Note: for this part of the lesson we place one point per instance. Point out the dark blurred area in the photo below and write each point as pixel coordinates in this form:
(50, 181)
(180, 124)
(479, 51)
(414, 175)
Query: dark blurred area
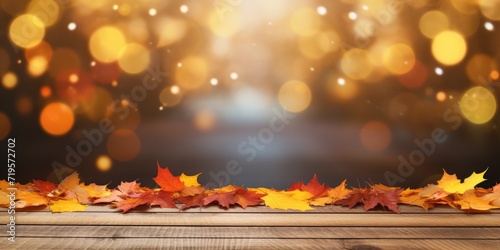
(255, 93)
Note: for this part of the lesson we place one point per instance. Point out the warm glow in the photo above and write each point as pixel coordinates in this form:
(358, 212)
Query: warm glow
(305, 22)
(133, 58)
(192, 74)
(123, 145)
(26, 31)
(357, 64)
(478, 105)
(48, 11)
(449, 47)
(433, 22)
(57, 118)
(295, 96)
(375, 136)
(106, 43)
(9, 80)
(399, 59)
(103, 163)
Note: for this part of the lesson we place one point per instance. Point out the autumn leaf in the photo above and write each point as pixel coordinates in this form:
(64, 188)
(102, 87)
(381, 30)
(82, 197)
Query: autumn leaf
(191, 201)
(313, 187)
(69, 182)
(285, 200)
(353, 198)
(436, 195)
(382, 195)
(190, 181)
(451, 184)
(334, 194)
(132, 202)
(469, 200)
(191, 191)
(246, 198)
(163, 199)
(411, 197)
(494, 196)
(72, 205)
(30, 199)
(44, 187)
(167, 181)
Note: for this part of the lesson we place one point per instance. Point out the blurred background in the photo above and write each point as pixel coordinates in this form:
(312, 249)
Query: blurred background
(253, 93)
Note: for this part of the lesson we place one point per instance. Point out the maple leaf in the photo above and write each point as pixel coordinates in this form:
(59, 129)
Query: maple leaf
(224, 196)
(96, 191)
(353, 198)
(167, 181)
(382, 195)
(334, 194)
(494, 196)
(412, 198)
(451, 184)
(313, 187)
(190, 181)
(191, 191)
(469, 200)
(436, 195)
(30, 199)
(246, 198)
(163, 199)
(132, 202)
(44, 187)
(4, 199)
(191, 201)
(79, 193)
(129, 187)
(285, 200)
(72, 205)
(69, 182)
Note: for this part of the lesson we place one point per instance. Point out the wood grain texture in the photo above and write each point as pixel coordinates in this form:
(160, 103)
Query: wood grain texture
(255, 219)
(404, 209)
(305, 232)
(213, 243)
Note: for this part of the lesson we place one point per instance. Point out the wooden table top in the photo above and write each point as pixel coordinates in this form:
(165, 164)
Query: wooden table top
(331, 227)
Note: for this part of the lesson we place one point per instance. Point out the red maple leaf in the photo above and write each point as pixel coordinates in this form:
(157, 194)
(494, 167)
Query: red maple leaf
(131, 203)
(163, 199)
(224, 199)
(313, 187)
(44, 187)
(167, 181)
(246, 198)
(354, 197)
(191, 201)
(384, 196)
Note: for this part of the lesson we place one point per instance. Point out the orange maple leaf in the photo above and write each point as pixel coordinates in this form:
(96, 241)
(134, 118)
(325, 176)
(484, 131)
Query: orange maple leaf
(167, 181)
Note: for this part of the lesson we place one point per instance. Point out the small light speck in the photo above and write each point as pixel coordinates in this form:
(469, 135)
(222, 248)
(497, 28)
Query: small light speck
(270, 23)
(115, 6)
(214, 81)
(311, 68)
(160, 108)
(152, 12)
(19, 61)
(352, 15)
(365, 7)
(341, 81)
(92, 63)
(438, 71)
(179, 65)
(234, 75)
(184, 8)
(489, 26)
(72, 26)
(321, 10)
(175, 90)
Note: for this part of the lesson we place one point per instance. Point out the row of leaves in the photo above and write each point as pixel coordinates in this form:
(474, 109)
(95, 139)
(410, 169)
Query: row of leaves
(185, 192)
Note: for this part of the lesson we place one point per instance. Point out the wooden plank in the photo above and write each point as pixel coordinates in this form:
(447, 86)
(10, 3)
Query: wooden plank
(270, 219)
(211, 243)
(256, 232)
(263, 209)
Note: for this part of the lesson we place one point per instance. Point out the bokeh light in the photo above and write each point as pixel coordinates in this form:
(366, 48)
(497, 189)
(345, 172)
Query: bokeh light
(168, 98)
(449, 47)
(26, 31)
(479, 68)
(123, 145)
(398, 59)
(432, 23)
(5, 126)
(416, 77)
(357, 64)
(478, 105)
(103, 163)
(96, 107)
(134, 58)
(295, 96)
(9, 80)
(48, 11)
(24, 105)
(305, 22)
(192, 74)
(57, 118)
(106, 43)
(490, 9)
(375, 136)
(45, 91)
(37, 66)
(204, 120)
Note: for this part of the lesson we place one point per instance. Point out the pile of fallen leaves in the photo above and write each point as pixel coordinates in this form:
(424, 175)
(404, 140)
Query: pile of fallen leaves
(185, 192)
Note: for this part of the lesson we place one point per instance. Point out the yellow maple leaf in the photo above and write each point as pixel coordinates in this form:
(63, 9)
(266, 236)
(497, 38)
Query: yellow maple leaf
(334, 194)
(69, 182)
(96, 191)
(285, 200)
(72, 205)
(451, 184)
(4, 199)
(190, 180)
(469, 200)
(412, 197)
